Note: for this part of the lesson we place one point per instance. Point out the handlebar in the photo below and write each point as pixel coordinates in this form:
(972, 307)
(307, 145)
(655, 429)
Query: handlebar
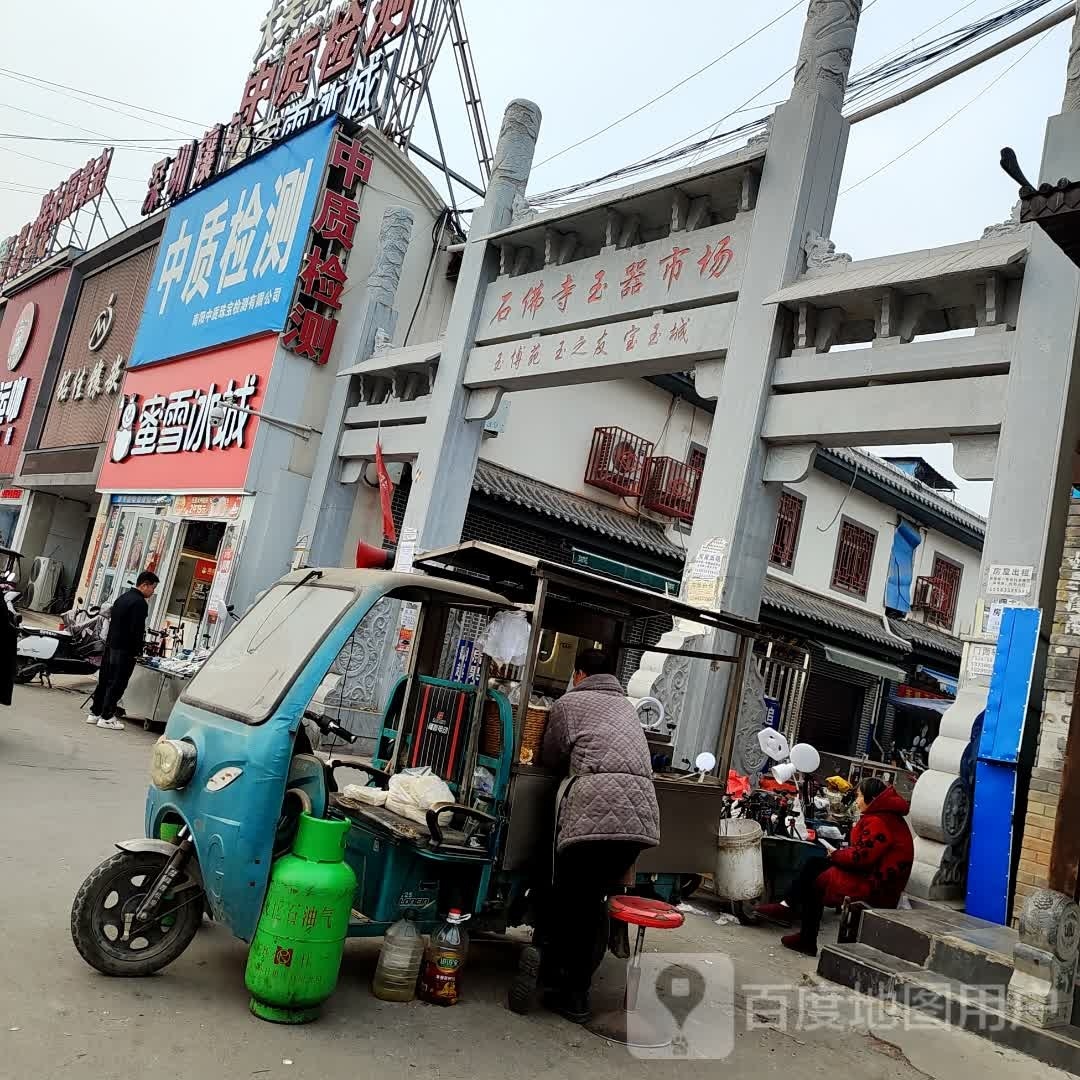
(380, 776)
(329, 727)
(446, 808)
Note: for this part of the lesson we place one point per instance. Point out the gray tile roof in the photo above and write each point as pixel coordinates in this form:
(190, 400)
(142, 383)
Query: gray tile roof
(898, 479)
(781, 596)
(928, 637)
(499, 483)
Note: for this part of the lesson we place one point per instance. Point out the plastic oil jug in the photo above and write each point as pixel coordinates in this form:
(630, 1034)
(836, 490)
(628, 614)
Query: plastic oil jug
(440, 976)
(399, 962)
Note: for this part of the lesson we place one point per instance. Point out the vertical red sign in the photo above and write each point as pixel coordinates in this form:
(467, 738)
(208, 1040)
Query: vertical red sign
(313, 319)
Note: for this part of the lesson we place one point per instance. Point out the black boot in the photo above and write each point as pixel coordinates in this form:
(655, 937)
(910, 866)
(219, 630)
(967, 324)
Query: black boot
(572, 1005)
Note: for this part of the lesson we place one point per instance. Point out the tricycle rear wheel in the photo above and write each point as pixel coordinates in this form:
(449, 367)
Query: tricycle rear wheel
(99, 927)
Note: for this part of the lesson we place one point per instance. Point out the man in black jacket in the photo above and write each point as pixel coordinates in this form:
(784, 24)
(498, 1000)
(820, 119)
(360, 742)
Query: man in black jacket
(127, 628)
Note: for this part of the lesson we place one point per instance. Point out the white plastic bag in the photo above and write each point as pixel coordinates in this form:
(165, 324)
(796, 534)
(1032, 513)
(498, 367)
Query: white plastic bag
(507, 639)
(413, 792)
(369, 795)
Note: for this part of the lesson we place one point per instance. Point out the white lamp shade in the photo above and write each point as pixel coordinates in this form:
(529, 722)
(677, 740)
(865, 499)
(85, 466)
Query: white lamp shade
(805, 758)
(783, 773)
(773, 744)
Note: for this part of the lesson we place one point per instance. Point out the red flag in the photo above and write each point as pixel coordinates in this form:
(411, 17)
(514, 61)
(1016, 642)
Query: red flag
(386, 496)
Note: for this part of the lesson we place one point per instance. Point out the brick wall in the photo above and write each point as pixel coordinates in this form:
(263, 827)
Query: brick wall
(1061, 672)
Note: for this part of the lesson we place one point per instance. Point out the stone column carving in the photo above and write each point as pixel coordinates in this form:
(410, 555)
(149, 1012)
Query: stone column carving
(666, 677)
(747, 757)
(827, 45)
(444, 470)
(358, 684)
(1044, 961)
(941, 806)
(329, 503)
(1072, 74)
(395, 229)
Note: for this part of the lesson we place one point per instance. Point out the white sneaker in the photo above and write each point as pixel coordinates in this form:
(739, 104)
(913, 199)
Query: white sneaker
(92, 719)
(112, 724)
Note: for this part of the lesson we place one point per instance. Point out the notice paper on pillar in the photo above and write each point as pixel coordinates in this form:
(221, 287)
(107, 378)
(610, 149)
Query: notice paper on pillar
(406, 551)
(317, 298)
(981, 661)
(1012, 581)
(993, 615)
(410, 613)
(705, 580)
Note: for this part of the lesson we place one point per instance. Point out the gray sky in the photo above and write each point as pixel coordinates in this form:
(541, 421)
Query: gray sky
(584, 64)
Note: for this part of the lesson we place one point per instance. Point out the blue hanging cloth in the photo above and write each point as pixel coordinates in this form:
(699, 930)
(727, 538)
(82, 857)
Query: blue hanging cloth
(901, 567)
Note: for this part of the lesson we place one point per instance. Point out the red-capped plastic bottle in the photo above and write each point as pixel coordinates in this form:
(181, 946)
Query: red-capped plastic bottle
(444, 959)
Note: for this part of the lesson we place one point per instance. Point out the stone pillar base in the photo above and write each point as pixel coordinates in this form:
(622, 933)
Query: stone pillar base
(1041, 989)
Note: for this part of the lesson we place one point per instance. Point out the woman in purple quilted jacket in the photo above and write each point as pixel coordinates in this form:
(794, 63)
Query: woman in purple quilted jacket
(607, 817)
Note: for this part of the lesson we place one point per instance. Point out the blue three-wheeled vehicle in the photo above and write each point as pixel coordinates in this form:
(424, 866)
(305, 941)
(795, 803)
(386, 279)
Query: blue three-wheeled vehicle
(253, 740)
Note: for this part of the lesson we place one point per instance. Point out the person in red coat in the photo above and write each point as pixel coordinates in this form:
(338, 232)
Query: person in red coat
(874, 869)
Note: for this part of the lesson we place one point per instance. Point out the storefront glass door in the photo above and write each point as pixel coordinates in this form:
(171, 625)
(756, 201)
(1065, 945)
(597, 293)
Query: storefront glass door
(134, 541)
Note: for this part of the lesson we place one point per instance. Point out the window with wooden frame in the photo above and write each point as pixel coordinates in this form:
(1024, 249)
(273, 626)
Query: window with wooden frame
(947, 575)
(789, 516)
(854, 559)
(695, 457)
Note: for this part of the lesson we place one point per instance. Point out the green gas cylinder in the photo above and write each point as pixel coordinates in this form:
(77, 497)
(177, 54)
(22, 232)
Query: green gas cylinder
(295, 955)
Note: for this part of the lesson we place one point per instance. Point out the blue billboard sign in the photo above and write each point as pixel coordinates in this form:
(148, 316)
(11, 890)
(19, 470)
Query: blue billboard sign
(229, 258)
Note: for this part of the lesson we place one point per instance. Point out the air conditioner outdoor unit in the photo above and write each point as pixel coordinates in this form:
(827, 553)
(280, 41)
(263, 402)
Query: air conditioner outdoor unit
(617, 461)
(44, 578)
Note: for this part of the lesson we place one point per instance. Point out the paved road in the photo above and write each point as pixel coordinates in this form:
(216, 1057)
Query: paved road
(67, 791)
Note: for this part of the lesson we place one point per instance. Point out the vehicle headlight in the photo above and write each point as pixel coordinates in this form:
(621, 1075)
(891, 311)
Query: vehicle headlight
(172, 764)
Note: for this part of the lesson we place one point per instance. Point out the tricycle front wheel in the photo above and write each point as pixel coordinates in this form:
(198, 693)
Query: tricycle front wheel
(102, 917)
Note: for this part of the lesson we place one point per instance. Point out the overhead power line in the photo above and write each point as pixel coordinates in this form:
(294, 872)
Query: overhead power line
(894, 70)
(51, 119)
(62, 165)
(949, 119)
(80, 92)
(1040, 26)
(671, 89)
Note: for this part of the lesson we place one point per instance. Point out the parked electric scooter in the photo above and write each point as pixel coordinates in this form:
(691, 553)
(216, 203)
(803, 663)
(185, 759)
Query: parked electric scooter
(75, 648)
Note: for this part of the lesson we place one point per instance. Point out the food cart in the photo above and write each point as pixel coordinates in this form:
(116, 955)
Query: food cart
(566, 600)
(154, 688)
(236, 769)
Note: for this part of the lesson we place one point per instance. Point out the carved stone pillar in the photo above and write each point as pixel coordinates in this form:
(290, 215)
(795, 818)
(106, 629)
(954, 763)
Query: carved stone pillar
(827, 45)
(329, 504)
(1044, 961)
(358, 684)
(667, 677)
(1072, 74)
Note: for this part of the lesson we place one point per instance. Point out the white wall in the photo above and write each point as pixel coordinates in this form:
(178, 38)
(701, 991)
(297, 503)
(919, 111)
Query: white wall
(55, 528)
(815, 553)
(549, 433)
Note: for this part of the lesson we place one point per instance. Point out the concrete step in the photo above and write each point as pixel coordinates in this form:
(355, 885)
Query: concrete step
(978, 1010)
(949, 943)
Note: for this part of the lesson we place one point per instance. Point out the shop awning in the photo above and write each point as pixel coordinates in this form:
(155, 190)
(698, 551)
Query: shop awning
(936, 705)
(948, 683)
(865, 664)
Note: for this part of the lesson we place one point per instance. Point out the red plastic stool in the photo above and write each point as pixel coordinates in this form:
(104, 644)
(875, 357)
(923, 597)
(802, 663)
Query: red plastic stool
(615, 1025)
